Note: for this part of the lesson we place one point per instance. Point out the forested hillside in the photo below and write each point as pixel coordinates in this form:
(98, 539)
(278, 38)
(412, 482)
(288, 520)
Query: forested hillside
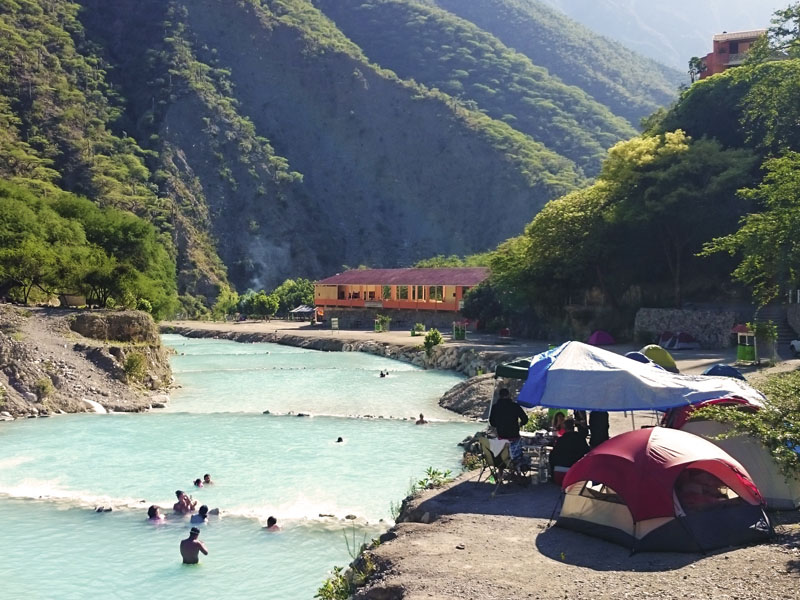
(442, 51)
(702, 207)
(612, 74)
(261, 141)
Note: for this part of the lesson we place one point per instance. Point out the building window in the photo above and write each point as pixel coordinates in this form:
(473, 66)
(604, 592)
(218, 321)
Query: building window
(436, 292)
(733, 47)
(402, 292)
(419, 292)
(387, 292)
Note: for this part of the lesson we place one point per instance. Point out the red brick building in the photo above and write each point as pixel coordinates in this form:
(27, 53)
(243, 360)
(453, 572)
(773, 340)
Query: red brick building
(729, 50)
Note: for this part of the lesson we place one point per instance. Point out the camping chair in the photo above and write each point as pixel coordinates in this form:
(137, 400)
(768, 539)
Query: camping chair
(495, 464)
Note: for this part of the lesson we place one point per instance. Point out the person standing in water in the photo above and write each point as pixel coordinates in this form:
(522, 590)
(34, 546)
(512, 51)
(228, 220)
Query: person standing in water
(421, 420)
(191, 547)
(207, 479)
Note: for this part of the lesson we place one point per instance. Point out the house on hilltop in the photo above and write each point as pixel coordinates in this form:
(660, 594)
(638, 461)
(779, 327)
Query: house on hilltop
(430, 296)
(729, 50)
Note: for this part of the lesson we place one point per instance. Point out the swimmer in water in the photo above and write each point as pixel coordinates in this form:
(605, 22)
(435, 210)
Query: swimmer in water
(421, 420)
(207, 479)
(154, 513)
(191, 547)
(185, 504)
(198, 483)
(272, 524)
(201, 516)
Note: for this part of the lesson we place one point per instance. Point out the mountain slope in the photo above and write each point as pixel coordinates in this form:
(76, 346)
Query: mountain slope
(442, 51)
(630, 85)
(263, 142)
(359, 167)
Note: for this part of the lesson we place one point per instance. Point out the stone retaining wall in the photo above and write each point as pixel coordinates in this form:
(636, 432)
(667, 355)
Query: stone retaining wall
(711, 328)
(364, 318)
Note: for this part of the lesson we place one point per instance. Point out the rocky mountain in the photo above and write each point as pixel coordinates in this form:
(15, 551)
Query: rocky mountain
(275, 138)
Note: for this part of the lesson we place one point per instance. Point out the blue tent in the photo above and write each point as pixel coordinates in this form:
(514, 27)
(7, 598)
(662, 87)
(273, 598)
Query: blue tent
(580, 376)
(721, 370)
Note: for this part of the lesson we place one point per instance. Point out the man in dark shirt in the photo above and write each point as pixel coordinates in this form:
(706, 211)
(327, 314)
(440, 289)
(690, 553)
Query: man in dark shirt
(569, 448)
(507, 417)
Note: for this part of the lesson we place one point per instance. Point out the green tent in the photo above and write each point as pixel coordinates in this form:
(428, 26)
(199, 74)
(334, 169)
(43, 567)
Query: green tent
(516, 369)
(661, 357)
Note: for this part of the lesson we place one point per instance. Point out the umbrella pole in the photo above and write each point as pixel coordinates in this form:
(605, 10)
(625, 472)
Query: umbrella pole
(633, 421)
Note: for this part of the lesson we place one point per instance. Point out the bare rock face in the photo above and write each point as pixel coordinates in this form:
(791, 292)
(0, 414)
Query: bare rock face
(127, 326)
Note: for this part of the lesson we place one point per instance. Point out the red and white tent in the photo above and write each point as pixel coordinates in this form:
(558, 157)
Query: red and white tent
(663, 489)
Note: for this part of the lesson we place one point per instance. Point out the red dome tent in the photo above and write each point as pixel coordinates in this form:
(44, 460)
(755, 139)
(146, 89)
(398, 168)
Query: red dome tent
(662, 489)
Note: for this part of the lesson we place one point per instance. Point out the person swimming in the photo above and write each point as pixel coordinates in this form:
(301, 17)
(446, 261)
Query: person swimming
(201, 516)
(198, 482)
(421, 420)
(207, 479)
(185, 504)
(154, 513)
(272, 524)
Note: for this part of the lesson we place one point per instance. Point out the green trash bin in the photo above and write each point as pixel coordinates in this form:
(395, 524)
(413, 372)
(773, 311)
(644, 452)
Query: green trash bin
(745, 353)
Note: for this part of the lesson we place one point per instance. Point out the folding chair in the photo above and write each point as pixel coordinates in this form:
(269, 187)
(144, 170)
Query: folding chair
(495, 463)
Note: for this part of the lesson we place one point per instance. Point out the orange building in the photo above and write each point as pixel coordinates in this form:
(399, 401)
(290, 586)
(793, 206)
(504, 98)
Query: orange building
(729, 50)
(416, 289)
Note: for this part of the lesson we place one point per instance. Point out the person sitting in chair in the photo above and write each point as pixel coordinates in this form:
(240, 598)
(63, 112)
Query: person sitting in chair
(507, 417)
(567, 450)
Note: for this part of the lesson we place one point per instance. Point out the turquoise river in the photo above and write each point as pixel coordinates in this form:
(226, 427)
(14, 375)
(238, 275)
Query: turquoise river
(54, 472)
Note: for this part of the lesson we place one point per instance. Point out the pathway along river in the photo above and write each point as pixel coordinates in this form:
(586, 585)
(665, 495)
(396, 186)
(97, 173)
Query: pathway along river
(53, 472)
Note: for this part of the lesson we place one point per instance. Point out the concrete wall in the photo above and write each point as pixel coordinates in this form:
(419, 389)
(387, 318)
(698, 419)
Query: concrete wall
(712, 328)
(364, 318)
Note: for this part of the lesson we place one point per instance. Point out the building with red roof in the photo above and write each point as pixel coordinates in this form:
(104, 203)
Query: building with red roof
(729, 50)
(403, 293)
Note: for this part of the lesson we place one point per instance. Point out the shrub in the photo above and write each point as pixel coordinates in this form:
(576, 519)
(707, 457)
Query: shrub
(44, 388)
(434, 478)
(336, 587)
(419, 327)
(135, 366)
(432, 338)
(145, 305)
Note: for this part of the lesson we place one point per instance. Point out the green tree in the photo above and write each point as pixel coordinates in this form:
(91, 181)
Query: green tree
(292, 293)
(767, 241)
(678, 193)
(226, 304)
(696, 68)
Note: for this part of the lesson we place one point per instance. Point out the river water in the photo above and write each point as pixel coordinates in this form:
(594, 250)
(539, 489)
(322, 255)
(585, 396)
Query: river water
(54, 472)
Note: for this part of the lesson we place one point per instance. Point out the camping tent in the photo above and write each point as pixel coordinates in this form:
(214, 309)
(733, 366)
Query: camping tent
(601, 338)
(721, 370)
(580, 376)
(660, 356)
(779, 492)
(678, 341)
(662, 489)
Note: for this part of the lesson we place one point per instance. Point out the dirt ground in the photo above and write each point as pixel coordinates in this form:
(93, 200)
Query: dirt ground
(479, 547)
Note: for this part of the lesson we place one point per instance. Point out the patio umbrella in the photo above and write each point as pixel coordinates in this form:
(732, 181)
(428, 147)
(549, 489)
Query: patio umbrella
(579, 376)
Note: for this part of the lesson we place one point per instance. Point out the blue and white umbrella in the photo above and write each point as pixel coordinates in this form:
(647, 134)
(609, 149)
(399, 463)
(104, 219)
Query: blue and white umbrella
(584, 377)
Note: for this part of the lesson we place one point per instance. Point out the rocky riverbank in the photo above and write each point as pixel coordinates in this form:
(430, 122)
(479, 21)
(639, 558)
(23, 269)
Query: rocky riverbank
(60, 361)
